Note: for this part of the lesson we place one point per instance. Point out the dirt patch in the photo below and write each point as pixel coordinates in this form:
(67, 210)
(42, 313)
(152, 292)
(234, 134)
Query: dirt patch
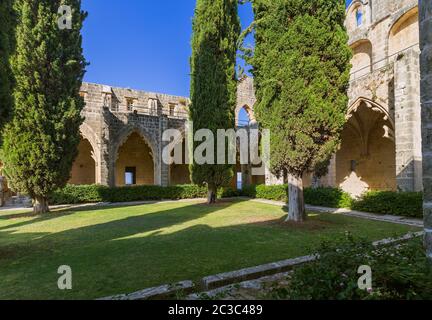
(309, 225)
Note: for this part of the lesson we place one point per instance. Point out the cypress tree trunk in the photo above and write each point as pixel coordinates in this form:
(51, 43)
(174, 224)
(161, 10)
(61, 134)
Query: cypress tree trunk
(40, 205)
(297, 212)
(212, 193)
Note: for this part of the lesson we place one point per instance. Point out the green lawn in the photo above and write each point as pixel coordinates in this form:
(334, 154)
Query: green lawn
(115, 250)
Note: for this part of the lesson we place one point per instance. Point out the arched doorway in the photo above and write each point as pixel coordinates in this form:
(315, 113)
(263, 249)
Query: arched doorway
(367, 158)
(84, 167)
(134, 164)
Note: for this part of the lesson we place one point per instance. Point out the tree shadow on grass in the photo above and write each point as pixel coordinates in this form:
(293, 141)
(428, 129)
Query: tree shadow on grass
(128, 226)
(136, 252)
(62, 212)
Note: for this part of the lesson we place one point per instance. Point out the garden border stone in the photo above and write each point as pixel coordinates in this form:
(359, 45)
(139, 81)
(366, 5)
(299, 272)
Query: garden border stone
(154, 293)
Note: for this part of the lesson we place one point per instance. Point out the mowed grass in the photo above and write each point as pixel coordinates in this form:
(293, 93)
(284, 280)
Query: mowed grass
(114, 250)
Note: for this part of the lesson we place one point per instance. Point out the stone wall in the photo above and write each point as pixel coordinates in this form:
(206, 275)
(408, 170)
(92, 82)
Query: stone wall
(113, 115)
(384, 82)
(388, 38)
(426, 100)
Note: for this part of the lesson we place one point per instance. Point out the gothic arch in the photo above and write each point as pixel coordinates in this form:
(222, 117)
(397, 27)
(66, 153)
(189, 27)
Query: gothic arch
(351, 13)
(87, 133)
(249, 111)
(372, 105)
(367, 157)
(147, 138)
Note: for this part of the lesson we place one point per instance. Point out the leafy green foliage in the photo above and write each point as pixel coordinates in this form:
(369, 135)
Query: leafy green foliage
(74, 194)
(408, 204)
(6, 46)
(276, 193)
(326, 197)
(301, 66)
(216, 28)
(40, 142)
(398, 272)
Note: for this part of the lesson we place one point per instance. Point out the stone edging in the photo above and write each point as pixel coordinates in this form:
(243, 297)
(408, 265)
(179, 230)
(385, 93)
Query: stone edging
(351, 213)
(161, 292)
(222, 280)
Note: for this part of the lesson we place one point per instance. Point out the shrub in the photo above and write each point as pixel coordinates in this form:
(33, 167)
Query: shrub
(277, 193)
(409, 204)
(328, 197)
(74, 194)
(398, 272)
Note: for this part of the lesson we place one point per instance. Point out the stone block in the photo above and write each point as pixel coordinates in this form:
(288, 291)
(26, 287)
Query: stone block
(157, 293)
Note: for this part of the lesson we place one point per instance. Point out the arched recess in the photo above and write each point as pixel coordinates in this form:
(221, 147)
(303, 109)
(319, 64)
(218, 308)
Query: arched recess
(362, 60)
(357, 15)
(367, 157)
(84, 167)
(404, 33)
(88, 133)
(136, 154)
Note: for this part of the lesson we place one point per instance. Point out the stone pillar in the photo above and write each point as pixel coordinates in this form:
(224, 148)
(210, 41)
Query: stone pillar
(161, 169)
(107, 158)
(407, 122)
(426, 100)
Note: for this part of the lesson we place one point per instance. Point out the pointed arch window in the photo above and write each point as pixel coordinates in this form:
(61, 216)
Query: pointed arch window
(359, 17)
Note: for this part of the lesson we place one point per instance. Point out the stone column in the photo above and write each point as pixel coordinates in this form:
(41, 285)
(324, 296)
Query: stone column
(107, 158)
(407, 122)
(426, 99)
(161, 169)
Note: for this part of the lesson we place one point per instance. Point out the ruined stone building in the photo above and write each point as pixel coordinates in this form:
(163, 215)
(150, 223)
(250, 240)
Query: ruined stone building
(381, 143)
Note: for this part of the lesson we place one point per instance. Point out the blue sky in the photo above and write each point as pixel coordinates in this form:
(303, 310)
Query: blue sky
(142, 44)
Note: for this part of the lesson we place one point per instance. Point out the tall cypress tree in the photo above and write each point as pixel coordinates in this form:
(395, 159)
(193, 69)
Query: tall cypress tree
(301, 67)
(6, 46)
(40, 142)
(216, 29)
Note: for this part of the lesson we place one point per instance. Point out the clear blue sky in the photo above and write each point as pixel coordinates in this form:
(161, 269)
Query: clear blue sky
(142, 44)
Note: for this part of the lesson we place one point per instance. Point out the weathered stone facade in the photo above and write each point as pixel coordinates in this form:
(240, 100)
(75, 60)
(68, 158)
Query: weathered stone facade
(113, 116)
(426, 100)
(381, 146)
